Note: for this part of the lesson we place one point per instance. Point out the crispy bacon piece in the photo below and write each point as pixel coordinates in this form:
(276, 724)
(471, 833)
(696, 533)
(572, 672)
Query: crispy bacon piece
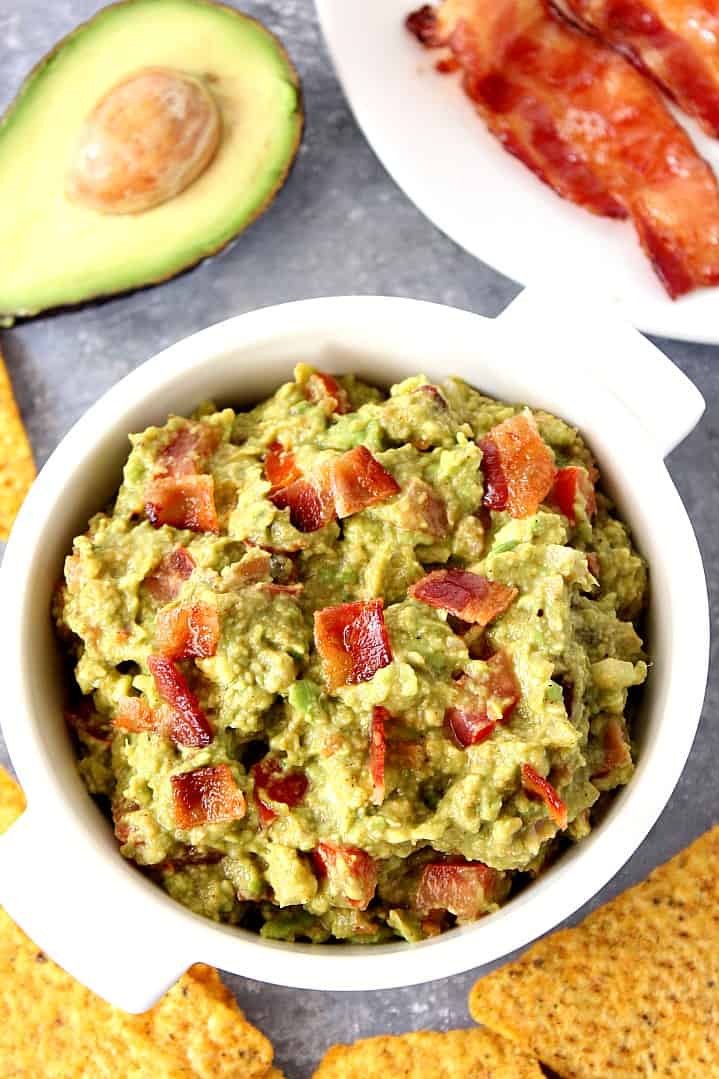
(274, 785)
(466, 595)
(616, 750)
(208, 795)
(590, 126)
(571, 485)
(324, 389)
(134, 714)
(423, 510)
(310, 503)
(83, 718)
(473, 724)
(183, 502)
(166, 579)
(540, 787)
(378, 751)
(187, 632)
(280, 466)
(186, 723)
(188, 451)
(671, 40)
(352, 642)
(526, 462)
(463, 888)
(347, 869)
(358, 480)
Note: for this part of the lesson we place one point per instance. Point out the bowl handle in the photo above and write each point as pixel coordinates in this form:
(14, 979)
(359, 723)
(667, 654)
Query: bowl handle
(119, 954)
(595, 339)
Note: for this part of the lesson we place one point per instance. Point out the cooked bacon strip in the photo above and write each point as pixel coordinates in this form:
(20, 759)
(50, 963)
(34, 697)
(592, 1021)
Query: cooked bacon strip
(183, 502)
(280, 466)
(463, 888)
(310, 503)
(466, 595)
(188, 451)
(616, 750)
(540, 787)
(324, 389)
(585, 121)
(352, 642)
(471, 722)
(271, 784)
(673, 41)
(519, 462)
(338, 865)
(423, 510)
(207, 796)
(134, 714)
(166, 579)
(186, 723)
(378, 751)
(358, 480)
(188, 631)
(571, 485)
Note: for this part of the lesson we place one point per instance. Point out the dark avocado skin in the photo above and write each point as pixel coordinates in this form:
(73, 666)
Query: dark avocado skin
(14, 109)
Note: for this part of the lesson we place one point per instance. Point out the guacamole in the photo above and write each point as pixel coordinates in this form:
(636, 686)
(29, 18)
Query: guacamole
(352, 665)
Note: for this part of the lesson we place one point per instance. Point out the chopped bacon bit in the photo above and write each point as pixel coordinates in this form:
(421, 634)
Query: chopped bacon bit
(183, 502)
(593, 564)
(187, 632)
(121, 808)
(467, 595)
(359, 480)
(280, 466)
(378, 752)
(134, 714)
(341, 866)
(616, 750)
(469, 728)
(166, 579)
(655, 37)
(423, 510)
(277, 589)
(572, 484)
(465, 889)
(533, 78)
(473, 724)
(324, 388)
(186, 724)
(423, 24)
(310, 504)
(352, 642)
(526, 462)
(496, 491)
(289, 788)
(188, 451)
(540, 787)
(207, 796)
(84, 719)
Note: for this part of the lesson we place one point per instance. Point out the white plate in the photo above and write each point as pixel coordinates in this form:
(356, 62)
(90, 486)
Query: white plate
(428, 136)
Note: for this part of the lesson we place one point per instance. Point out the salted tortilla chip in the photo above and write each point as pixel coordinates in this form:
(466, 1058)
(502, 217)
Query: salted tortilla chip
(456, 1054)
(50, 1025)
(631, 992)
(12, 801)
(17, 468)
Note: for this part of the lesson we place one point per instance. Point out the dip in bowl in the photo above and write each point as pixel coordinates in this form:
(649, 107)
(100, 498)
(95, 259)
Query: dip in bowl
(353, 665)
(101, 917)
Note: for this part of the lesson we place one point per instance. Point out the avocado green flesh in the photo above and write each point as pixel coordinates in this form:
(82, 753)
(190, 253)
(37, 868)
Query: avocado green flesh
(62, 253)
(264, 689)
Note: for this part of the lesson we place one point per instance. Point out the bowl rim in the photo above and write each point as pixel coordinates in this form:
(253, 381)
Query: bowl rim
(554, 896)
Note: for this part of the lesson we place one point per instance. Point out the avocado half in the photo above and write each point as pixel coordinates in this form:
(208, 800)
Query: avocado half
(56, 252)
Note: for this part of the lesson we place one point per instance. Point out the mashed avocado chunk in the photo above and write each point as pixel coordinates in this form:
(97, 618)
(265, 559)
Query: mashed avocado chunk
(350, 666)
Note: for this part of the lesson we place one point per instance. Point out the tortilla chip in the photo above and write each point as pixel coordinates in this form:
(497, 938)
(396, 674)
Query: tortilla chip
(50, 1025)
(12, 801)
(457, 1054)
(632, 991)
(17, 468)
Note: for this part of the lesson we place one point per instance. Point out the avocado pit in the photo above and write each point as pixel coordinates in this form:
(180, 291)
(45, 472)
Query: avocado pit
(144, 142)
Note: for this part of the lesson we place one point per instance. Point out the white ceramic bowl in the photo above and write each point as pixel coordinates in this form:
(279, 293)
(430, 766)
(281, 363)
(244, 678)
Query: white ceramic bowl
(61, 875)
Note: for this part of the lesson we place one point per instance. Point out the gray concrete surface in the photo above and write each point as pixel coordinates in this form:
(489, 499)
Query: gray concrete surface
(339, 226)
